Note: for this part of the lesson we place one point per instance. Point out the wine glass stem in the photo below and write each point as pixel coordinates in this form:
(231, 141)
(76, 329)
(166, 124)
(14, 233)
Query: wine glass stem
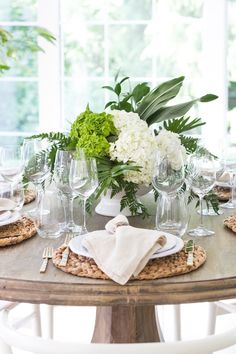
(71, 210)
(201, 215)
(232, 178)
(39, 197)
(84, 215)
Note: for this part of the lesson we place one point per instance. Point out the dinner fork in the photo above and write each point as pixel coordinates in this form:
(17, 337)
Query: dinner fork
(65, 253)
(47, 254)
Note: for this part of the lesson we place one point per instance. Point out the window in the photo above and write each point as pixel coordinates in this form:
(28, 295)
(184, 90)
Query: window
(149, 40)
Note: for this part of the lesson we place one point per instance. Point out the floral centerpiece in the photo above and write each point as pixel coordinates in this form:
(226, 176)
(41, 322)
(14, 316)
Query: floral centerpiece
(125, 139)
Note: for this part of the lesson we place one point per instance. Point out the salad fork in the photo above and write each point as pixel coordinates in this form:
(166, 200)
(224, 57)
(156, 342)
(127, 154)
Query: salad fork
(65, 253)
(47, 254)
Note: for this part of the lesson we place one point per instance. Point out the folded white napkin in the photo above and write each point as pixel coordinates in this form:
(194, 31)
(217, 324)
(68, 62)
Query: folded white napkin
(122, 250)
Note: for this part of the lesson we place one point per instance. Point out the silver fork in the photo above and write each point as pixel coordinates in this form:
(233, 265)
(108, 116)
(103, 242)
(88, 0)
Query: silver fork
(65, 253)
(47, 254)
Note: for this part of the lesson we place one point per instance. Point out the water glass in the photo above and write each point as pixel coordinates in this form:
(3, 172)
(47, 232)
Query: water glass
(51, 225)
(172, 214)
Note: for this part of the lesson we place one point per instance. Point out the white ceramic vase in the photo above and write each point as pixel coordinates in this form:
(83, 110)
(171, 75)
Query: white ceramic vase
(111, 206)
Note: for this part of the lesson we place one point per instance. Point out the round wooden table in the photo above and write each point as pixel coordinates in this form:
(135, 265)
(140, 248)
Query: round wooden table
(124, 313)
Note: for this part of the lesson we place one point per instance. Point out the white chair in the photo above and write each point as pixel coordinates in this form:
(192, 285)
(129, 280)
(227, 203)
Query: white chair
(33, 317)
(39, 345)
(218, 308)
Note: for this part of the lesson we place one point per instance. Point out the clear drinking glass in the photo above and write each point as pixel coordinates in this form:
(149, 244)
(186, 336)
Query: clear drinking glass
(83, 180)
(172, 214)
(61, 179)
(37, 169)
(11, 163)
(14, 192)
(230, 168)
(209, 211)
(202, 183)
(51, 225)
(168, 177)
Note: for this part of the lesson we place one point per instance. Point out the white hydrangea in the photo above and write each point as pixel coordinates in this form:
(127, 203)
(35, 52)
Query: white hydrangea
(124, 120)
(135, 143)
(169, 146)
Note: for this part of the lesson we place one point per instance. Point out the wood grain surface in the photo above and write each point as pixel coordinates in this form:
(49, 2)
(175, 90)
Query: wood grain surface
(20, 279)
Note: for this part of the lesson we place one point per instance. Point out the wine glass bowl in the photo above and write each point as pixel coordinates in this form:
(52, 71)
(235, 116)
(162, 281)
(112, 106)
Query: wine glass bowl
(37, 168)
(11, 163)
(166, 178)
(230, 168)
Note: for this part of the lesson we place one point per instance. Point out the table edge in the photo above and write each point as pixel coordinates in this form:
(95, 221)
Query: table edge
(137, 292)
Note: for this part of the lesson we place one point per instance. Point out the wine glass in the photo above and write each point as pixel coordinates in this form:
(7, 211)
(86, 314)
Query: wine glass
(37, 169)
(201, 184)
(11, 163)
(230, 167)
(83, 180)
(209, 210)
(61, 178)
(168, 177)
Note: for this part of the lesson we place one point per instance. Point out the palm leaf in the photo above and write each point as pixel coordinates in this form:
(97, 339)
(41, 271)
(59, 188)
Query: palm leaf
(177, 110)
(158, 97)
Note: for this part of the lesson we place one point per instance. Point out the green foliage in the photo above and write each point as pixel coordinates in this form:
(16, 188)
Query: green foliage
(11, 45)
(158, 97)
(111, 176)
(122, 102)
(189, 143)
(183, 124)
(151, 105)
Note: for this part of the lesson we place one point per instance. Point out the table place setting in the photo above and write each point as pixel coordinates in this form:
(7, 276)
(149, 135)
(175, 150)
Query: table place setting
(14, 228)
(122, 252)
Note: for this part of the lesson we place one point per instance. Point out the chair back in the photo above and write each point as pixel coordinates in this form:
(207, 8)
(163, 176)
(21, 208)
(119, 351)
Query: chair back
(39, 345)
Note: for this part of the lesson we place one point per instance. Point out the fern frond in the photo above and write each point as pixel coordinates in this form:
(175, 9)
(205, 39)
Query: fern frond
(183, 124)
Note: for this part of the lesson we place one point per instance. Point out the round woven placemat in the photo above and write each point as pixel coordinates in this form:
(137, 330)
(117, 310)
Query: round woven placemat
(17, 232)
(29, 196)
(222, 193)
(157, 268)
(230, 222)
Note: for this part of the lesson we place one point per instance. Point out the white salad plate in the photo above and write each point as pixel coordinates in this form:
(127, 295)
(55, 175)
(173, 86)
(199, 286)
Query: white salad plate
(173, 245)
(13, 217)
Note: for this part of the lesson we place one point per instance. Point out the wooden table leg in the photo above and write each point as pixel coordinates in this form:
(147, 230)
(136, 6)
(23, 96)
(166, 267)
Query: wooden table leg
(125, 324)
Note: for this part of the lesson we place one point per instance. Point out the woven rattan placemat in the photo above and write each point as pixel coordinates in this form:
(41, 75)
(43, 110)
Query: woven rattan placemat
(230, 222)
(222, 193)
(17, 232)
(29, 196)
(157, 268)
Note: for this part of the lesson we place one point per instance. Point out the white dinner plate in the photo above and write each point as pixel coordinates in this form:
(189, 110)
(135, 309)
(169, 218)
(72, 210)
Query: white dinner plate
(174, 244)
(15, 215)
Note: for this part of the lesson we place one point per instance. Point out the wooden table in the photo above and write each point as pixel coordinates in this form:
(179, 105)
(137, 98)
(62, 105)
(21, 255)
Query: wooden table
(124, 313)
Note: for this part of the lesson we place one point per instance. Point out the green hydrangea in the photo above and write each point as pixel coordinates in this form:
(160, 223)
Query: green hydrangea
(91, 131)
(94, 145)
